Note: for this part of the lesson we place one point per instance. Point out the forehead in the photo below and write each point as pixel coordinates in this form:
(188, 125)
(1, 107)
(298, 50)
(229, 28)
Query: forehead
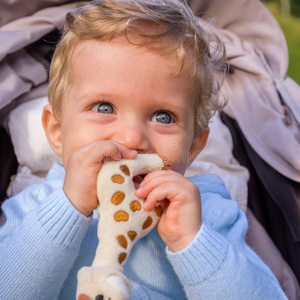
(117, 51)
(157, 49)
(119, 71)
(118, 57)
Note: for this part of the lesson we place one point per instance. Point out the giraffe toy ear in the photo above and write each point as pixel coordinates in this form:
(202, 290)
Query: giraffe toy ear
(97, 282)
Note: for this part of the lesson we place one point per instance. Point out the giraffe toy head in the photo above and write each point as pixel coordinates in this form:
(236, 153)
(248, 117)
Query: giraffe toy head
(122, 222)
(102, 283)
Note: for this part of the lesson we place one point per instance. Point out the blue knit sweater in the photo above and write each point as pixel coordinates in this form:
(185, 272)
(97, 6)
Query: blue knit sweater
(45, 241)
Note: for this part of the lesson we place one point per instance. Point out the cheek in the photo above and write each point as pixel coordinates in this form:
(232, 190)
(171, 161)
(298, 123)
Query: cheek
(183, 155)
(181, 161)
(74, 139)
(176, 153)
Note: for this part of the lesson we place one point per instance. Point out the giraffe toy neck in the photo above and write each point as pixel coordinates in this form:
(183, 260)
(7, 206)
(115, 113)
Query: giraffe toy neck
(122, 222)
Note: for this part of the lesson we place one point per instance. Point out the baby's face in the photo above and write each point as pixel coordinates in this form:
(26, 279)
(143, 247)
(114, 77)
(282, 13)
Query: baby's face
(126, 93)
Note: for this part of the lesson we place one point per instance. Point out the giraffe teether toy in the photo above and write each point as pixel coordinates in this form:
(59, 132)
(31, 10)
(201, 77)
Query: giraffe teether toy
(122, 222)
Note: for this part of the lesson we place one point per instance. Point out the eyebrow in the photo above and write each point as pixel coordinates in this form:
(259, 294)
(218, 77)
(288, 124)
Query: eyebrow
(94, 96)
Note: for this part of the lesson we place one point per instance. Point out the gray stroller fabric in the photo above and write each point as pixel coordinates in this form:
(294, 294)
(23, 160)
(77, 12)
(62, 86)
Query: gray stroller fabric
(261, 98)
(22, 69)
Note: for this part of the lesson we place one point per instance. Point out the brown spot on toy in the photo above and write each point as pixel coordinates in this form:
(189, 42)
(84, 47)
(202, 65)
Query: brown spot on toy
(158, 210)
(125, 170)
(165, 161)
(147, 223)
(135, 205)
(132, 235)
(122, 257)
(121, 216)
(117, 198)
(83, 297)
(117, 178)
(122, 241)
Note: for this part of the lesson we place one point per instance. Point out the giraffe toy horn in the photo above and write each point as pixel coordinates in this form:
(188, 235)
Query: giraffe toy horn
(122, 222)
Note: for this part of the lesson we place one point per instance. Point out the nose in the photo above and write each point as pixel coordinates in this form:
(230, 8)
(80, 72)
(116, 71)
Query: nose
(134, 136)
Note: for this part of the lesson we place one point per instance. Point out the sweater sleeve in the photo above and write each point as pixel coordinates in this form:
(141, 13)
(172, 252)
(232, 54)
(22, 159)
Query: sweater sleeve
(219, 264)
(39, 243)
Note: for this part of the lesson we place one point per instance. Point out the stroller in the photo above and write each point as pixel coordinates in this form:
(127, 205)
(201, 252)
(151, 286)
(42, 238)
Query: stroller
(258, 130)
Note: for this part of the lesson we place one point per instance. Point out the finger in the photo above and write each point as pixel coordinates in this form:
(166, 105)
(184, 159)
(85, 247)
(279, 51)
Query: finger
(109, 149)
(156, 178)
(158, 173)
(164, 191)
(162, 174)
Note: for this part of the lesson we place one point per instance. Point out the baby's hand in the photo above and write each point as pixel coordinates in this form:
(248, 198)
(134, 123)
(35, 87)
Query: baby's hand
(181, 219)
(82, 169)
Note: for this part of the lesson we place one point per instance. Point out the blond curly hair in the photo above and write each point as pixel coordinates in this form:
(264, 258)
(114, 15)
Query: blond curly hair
(170, 22)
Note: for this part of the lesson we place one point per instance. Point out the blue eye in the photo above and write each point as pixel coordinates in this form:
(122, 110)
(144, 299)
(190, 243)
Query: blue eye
(103, 108)
(162, 117)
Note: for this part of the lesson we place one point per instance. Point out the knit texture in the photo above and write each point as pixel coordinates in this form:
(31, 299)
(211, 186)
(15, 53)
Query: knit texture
(45, 241)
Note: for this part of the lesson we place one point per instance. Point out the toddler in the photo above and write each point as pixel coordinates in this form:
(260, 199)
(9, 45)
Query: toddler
(132, 77)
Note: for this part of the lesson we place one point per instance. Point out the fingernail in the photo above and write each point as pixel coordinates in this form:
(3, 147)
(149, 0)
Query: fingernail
(139, 188)
(131, 152)
(146, 205)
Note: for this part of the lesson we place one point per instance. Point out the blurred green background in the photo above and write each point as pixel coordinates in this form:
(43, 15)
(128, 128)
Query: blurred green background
(287, 13)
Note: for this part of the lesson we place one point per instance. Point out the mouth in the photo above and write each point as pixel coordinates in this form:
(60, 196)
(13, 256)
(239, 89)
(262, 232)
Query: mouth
(138, 179)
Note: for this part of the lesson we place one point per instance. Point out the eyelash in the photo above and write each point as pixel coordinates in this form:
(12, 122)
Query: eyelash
(103, 102)
(173, 116)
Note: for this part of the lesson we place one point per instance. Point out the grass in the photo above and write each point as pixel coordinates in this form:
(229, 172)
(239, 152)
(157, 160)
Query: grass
(291, 29)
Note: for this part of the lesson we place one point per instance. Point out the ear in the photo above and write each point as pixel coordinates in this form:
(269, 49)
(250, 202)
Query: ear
(198, 143)
(52, 129)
